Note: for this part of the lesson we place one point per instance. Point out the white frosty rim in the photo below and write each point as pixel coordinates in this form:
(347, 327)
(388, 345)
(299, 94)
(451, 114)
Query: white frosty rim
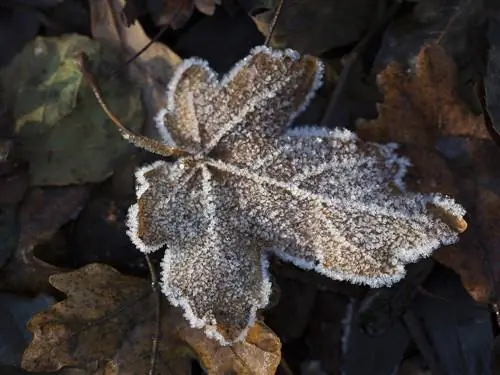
(210, 328)
(226, 79)
(401, 257)
(142, 185)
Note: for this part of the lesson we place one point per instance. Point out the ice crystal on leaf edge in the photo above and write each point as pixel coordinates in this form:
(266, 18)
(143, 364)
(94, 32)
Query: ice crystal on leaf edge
(259, 192)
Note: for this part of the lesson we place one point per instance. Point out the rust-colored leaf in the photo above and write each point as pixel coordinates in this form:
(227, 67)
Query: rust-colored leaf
(451, 151)
(106, 324)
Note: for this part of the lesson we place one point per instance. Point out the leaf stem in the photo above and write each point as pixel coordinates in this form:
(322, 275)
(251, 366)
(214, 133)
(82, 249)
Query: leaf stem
(145, 143)
(274, 22)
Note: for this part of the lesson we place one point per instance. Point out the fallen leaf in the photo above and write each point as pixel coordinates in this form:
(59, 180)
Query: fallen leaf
(41, 214)
(173, 14)
(451, 151)
(151, 70)
(108, 319)
(15, 311)
(314, 26)
(245, 188)
(63, 133)
(455, 22)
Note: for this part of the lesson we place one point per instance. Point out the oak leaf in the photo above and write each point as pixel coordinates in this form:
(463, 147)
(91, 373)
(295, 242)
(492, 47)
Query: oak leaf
(106, 324)
(451, 151)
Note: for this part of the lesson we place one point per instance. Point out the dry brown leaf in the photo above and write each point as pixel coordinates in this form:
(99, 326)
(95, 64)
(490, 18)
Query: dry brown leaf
(426, 100)
(41, 214)
(106, 324)
(451, 151)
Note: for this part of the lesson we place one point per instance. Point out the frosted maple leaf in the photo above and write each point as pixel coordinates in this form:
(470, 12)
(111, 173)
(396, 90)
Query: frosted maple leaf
(246, 187)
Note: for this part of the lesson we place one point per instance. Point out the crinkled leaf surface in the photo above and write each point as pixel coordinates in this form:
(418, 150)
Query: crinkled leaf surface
(451, 151)
(321, 199)
(108, 319)
(64, 134)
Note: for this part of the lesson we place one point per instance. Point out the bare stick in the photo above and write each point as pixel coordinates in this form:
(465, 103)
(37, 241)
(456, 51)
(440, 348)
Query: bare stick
(155, 39)
(148, 144)
(156, 334)
(274, 22)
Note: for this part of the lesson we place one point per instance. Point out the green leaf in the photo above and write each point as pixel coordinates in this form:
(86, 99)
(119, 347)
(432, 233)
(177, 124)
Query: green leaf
(65, 136)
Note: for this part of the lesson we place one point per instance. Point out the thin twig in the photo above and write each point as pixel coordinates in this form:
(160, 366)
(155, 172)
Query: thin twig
(351, 58)
(156, 334)
(155, 39)
(148, 144)
(274, 22)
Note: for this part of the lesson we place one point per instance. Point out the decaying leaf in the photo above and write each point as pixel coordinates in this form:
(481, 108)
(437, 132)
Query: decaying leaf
(173, 14)
(63, 133)
(321, 199)
(108, 319)
(41, 214)
(451, 151)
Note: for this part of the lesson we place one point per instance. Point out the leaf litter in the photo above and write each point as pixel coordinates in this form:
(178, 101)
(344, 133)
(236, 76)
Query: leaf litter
(441, 131)
(107, 320)
(420, 109)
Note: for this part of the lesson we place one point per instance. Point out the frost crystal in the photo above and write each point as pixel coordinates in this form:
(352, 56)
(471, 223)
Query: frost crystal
(323, 200)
